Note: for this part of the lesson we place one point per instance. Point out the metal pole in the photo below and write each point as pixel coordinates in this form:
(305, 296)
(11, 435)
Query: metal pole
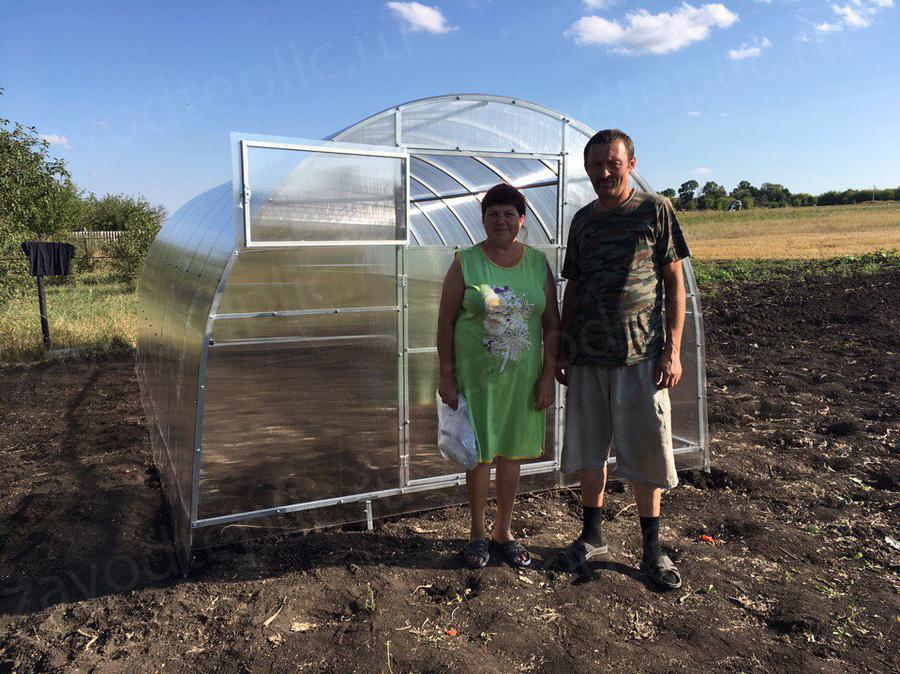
(42, 302)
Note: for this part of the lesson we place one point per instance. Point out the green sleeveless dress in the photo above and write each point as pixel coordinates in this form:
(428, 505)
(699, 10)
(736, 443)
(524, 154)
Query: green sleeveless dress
(498, 352)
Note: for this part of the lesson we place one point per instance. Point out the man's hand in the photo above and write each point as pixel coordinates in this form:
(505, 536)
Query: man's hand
(544, 392)
(668, 369)
(448, 391)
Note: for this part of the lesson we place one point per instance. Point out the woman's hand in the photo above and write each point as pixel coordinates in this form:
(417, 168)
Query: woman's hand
(448, 391)
(544, 392)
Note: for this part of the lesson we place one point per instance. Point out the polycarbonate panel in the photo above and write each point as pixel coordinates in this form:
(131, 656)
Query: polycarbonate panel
(474, 173)
(424, 458)
(300, 421)
(684, 397)
(448, 223)
(179, 279)
(299, 196)
(436, 180)
(521, 172)
(311, 278)
(425, 271)
(361, 325)
(377, 130)
(578, 192)
(468, 209)
(423, 229)
(480, 125)
(418, 191)
(542, 214)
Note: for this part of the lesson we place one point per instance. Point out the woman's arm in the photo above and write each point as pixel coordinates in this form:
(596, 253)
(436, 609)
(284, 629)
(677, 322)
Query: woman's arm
(545, 390)
(451, 302)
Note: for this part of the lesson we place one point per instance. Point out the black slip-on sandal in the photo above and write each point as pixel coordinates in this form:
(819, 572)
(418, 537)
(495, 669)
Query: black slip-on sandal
(512, 550)
(663, 572)
(578, 553)
(480, 550)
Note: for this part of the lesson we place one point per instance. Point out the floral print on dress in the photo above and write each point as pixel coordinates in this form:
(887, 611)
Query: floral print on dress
(506, 314)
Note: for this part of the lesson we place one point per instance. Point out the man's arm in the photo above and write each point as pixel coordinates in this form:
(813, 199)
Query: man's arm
(668, 365)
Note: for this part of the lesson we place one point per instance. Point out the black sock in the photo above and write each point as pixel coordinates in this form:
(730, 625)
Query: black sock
(650, 534)
(592, 532)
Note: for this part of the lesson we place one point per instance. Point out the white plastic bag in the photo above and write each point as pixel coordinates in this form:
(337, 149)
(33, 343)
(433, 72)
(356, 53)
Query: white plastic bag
(456, 437)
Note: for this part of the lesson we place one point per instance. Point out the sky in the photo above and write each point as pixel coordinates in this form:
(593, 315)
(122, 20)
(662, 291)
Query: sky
(140, 97)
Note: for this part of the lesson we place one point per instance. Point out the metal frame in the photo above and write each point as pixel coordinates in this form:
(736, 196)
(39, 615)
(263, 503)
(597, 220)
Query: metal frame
(246, 142)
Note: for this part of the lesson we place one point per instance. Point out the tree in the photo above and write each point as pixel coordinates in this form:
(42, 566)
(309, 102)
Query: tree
(686, 194)
(669, 192)
(776, 196)
(713, 190)
(139, 223)
(38, 199)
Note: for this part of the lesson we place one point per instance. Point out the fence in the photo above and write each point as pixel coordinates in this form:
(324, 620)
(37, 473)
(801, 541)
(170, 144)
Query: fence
(89, 242)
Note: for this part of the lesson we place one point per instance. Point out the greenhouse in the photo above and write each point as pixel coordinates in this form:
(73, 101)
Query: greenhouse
(286, 338)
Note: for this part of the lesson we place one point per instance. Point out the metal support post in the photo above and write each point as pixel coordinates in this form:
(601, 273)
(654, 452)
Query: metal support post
(42, 303)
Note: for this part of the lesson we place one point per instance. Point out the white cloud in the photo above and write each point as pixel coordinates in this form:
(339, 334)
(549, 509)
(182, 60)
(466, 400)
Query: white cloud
(702, 171)
(857, 14)
(723, 114)
(596, 4)
(694, 113)
(851, 17)
(827, 27)
(746, 51)
(645, 33)
(53, 139)
(416, 16)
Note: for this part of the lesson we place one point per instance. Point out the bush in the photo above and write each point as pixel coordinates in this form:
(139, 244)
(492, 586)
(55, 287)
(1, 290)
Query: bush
(139, 223)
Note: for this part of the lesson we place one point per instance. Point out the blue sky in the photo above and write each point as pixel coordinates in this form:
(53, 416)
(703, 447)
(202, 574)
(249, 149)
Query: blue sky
(140, 97)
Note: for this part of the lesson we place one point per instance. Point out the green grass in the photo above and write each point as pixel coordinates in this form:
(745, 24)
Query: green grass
(716, 272)
(88, 312)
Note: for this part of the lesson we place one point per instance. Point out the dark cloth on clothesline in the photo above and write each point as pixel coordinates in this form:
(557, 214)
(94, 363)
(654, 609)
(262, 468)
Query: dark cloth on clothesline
(47, 258)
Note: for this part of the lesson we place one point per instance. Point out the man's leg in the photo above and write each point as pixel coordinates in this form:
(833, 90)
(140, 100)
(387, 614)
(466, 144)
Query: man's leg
(645, 456)
(648, 499)
(593, 486)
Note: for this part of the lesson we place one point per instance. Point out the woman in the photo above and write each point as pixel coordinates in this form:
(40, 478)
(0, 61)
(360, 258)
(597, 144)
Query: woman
(497, 307)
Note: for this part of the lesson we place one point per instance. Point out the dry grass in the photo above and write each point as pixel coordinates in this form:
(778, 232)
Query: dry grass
(793, 233)
(88, 312)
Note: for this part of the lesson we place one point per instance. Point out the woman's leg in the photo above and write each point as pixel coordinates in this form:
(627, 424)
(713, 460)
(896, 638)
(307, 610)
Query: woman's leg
(478, 481)
(507, 484)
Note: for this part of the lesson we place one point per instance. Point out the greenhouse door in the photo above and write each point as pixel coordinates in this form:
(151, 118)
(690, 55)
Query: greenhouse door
(310, 339)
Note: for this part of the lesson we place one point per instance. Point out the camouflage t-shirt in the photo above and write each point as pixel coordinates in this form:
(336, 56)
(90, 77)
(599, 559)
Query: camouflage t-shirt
(616, 257)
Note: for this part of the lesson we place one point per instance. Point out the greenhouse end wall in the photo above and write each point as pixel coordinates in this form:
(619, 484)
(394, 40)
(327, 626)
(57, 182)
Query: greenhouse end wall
(287, 355)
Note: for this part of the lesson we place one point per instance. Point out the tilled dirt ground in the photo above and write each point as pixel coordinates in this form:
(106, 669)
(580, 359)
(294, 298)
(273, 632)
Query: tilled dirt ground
(801, 509)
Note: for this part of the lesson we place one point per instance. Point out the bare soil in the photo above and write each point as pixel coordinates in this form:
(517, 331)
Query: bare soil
(800, 508)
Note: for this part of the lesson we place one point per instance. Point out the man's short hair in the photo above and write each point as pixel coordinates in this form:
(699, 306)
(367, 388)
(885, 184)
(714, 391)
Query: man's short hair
(608, 136)
(503, 195)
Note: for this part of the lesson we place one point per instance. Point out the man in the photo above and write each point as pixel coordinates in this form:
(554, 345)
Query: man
(617, 359)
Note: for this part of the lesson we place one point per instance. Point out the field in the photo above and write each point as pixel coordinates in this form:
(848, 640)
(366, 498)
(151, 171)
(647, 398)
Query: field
(801, 508)
(784, 233)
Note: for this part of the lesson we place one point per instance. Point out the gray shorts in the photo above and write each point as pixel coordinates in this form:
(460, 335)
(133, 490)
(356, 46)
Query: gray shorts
(619, 407)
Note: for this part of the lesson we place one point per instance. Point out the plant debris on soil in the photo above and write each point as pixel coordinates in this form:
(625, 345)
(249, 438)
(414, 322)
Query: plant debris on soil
(788, 547)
